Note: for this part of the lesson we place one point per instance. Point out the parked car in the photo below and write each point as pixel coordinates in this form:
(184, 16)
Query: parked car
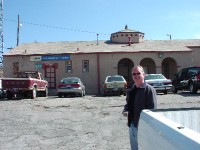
(25, 84)
(115, 84)
(159, 82)
(2, 92)
(188, 79)
(71, 86)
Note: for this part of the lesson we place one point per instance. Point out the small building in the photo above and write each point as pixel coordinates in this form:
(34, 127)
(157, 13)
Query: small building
(92, 61)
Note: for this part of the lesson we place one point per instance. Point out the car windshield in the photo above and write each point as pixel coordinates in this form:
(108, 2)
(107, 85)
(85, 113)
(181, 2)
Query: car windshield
(112, 79)
(70, 80)
(154, 76)
(27, 74)
(194, 70)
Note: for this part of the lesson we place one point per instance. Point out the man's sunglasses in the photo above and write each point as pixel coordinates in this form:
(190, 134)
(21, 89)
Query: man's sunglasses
(136, 73)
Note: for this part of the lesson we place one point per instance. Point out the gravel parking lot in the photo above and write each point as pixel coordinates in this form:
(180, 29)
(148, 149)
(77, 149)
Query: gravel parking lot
(88, 123)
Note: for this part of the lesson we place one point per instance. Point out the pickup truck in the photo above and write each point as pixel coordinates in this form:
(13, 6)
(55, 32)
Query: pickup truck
(25, 84)
(169, 129)
(187, 78)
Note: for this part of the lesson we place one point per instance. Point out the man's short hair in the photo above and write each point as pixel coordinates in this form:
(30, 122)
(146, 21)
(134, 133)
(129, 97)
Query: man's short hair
(138, 66)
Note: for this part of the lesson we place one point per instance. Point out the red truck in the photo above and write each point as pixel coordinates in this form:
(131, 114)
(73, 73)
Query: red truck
(25, 84)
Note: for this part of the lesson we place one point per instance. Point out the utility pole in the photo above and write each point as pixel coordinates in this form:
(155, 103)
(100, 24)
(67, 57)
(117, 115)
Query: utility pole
(18, 26)
(1, 34)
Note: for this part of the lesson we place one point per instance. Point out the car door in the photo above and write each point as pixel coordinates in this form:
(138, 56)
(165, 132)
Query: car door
(184, 79)
(177, 79)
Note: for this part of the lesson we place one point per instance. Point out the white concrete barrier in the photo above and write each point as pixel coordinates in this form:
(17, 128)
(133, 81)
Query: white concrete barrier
(157, 132)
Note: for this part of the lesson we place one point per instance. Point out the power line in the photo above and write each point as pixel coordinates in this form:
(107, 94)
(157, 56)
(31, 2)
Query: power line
(55, 27)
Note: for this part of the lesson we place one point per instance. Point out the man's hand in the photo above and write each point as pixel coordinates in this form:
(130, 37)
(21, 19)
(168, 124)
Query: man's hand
(125, 113)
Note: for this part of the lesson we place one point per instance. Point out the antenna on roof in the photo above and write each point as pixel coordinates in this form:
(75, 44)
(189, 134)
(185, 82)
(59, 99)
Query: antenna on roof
(170, 37)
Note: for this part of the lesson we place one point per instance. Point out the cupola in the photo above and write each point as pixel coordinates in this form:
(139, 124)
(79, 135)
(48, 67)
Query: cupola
(127, 36)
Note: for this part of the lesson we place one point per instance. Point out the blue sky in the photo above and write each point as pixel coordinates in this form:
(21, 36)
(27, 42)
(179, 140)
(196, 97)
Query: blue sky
(81, 20)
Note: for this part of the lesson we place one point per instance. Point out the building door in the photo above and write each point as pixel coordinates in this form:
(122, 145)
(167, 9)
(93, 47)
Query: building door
(149, 65)
(165, 69)
(169, 68)
(50, 75)
(124, 69)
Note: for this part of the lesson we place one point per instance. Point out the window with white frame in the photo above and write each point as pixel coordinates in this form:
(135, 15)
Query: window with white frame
(68, 66)
(85, 65)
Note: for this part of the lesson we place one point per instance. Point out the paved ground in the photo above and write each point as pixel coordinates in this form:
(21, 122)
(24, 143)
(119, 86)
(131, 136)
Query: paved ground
(88, 123)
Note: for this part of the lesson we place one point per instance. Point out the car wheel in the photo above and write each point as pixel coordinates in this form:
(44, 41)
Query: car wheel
(34, 93)
(9, 94)
(59, 95)
(174, 90)
(82, 93)
(45, 93)
(192, 88)
(165, 92)
(104, 93)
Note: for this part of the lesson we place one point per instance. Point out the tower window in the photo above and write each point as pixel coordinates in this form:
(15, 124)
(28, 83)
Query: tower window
(69, 66)
(85, 65)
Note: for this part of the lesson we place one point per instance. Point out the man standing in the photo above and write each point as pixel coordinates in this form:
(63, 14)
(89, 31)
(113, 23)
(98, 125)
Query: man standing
(140, 96)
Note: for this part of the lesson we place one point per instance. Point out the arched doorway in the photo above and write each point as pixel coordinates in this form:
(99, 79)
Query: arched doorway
(124, 69)
(149, 65)
(169, 67)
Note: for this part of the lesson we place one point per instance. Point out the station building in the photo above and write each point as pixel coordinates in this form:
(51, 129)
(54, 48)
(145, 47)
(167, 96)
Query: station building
(92, 61)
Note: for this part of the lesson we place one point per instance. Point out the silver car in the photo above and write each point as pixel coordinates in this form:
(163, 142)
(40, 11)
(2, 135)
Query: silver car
(71, 86)
(114, 85)
(159, 82)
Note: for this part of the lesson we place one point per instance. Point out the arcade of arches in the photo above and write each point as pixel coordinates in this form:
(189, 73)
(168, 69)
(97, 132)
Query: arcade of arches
(168, 68)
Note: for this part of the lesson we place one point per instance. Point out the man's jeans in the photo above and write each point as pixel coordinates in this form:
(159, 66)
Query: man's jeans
(133, 137)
